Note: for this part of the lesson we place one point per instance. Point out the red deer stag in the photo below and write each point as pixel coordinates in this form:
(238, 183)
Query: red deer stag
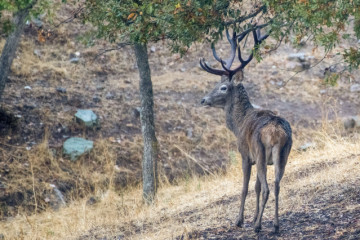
(262, 137)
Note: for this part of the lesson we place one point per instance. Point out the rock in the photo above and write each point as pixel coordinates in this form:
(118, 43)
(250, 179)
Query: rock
(279, 83)
(153, 49)
(306, 146)
(74, 60)
(77, 54)
(100, 87)
(322, 91)
(355, 88)
(189, 132)
(27, 88)
(87, 117)
(109, 95)
(294, 66)
(91, 201)
(37, 22)
(256, 106)
(96, 99)
(136, 112)
(296, 56)
(61, 89)
(349, 123)
(37, 52)
(75, 147)
(182, 69)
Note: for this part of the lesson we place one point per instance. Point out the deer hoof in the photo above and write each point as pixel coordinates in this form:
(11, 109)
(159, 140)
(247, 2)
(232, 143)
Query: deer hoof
(239, 222)
(276, 228)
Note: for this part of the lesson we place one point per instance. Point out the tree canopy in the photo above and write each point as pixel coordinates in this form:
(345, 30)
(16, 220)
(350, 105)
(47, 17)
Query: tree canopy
(183, 22)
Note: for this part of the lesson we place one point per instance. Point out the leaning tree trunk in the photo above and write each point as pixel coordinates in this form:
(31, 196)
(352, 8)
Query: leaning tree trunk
(12, 42)
(150, 155)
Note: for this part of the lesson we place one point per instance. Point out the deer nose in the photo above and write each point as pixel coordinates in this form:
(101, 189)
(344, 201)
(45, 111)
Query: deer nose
(203, 101)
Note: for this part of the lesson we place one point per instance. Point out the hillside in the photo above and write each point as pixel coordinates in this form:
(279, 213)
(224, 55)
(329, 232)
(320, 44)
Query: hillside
(199, 165)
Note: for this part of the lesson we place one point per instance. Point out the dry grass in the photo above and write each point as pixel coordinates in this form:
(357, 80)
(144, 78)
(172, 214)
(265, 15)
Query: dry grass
(326, 169)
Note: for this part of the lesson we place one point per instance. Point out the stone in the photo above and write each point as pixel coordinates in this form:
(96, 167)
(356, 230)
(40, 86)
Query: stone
(96, 99)
(61, 89)
(37, 52)
(294, 66)
(77, 54)
(75, 147)
(349, 123)
(296, 56)
(322, 91)
(87, 117)
(74, 60)
(37, 22)
(355, 88)
(136, 112)
(109, 95)
(27, 88)
(189, 132)
(306, 146)
(153, 49)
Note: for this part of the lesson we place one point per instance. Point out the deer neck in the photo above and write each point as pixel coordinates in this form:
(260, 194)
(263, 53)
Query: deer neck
(236, 108)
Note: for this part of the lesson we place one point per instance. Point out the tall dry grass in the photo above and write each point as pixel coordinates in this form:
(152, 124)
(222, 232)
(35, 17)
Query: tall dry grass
(327, 168)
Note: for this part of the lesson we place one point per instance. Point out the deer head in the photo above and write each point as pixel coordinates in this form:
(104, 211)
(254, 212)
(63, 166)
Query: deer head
(229, 77)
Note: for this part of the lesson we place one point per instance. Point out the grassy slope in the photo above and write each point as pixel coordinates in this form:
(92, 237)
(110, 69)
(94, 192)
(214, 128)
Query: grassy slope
(207, 206)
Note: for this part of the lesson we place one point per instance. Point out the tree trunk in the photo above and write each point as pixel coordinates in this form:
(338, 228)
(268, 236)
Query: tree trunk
(12, 42)
(150, 155)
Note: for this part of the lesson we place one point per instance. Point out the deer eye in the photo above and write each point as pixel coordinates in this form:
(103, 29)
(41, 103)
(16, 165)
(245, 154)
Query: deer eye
(223, 88)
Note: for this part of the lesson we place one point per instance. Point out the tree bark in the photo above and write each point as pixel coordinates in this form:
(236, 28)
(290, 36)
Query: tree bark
(12, 42)
(150, 155)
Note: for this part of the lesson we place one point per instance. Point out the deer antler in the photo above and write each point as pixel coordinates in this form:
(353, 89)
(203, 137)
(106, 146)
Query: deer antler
(226, 65)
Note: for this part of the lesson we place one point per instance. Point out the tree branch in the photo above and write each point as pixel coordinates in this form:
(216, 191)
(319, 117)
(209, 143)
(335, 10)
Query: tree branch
(242, 19)
(119, 46)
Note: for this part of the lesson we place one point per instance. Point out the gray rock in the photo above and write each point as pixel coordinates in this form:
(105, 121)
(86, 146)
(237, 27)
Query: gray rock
(109, 95)
(37, 22)
(322, 91)
(74, 60)
(136, 112)
(87, 117)
(182, 69)
(355, 88)
(96, 99)
(306, 146)
(75, 147)
(92, 201)
(294, 66)
(153, 49)
(349, 123)
(100, 87)
(61, 89)
(189, 132)
(296, 56)
(27, 88)
(37, 52)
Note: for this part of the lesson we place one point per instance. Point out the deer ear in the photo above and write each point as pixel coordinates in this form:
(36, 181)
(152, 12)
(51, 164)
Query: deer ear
(225, 78)
(238, 77)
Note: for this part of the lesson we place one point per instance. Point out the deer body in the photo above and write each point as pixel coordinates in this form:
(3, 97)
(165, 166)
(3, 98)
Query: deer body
(263, 138)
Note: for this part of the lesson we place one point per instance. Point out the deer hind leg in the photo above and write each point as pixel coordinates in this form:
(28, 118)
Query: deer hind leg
(280, 162)
(246, 167)
(257, 190)
(261, 174)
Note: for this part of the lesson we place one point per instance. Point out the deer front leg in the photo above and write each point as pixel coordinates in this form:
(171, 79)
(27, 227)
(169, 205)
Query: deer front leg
(246, 167)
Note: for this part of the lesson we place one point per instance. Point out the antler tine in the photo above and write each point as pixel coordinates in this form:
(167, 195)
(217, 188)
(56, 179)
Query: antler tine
(257, 41)
(206, 67)
(233, 43)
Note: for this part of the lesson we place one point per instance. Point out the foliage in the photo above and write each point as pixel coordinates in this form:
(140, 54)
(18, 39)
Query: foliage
(183, 22)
